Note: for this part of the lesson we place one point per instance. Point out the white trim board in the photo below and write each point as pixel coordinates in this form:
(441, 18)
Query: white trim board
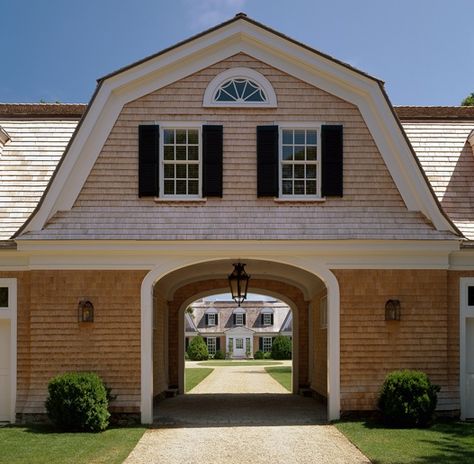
(10, 314)
(217, 45)
(465, 312)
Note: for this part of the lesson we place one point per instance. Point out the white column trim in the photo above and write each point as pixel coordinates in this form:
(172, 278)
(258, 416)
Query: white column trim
(11, 315)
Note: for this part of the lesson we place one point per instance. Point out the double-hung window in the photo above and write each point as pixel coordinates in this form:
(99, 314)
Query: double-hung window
(180, 156)
(267, 344)
(300, 173)
(239, 319)
(211, 319)
(211, 345)
(267, 319)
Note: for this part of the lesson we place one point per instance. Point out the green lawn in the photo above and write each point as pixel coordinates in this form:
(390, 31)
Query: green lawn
(41, 444)
(443, 443)
(195, 375)
(228, 362)
(282, 375)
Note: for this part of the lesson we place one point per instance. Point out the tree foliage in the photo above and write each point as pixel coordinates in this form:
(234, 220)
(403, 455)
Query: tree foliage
(281, 347)
(469, 100)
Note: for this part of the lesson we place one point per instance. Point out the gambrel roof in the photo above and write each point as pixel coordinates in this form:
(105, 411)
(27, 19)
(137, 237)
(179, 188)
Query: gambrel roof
(241, 35)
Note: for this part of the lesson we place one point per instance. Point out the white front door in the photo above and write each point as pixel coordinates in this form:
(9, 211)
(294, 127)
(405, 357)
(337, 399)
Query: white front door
(469, 376)
(5, 370)
(239, 347)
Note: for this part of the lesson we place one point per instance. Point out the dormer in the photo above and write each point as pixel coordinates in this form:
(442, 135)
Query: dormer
(4, 139)
(266, 317)
(239, 317)
(211, 317)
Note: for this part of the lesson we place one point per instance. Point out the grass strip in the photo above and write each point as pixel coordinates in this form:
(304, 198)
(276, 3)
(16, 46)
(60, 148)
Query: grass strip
(443, 443)
(239, 363)
(41, 444)
(282, 374)
(195, 375)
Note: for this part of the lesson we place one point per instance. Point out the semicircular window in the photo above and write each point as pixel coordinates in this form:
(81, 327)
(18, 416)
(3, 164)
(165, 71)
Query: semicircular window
(240, 90)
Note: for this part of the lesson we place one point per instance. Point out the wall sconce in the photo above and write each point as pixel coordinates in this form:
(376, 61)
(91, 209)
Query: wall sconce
(392, 310)
(86, 311)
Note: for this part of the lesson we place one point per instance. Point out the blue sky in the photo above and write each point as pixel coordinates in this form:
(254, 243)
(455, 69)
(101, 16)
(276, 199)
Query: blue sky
(54, 50)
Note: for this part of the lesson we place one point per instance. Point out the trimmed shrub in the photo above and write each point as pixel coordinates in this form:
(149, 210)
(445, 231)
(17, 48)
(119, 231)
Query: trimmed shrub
(408, 399)
(219, 355)
(267, 355)
(197, 349)
(258, 355)
(281, 347)
(78, 401)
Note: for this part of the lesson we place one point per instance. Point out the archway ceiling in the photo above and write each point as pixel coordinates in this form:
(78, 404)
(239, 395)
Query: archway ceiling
(308, 283)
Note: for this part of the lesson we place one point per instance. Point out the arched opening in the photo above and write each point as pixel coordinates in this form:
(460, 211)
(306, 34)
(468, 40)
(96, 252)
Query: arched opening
(169, 289)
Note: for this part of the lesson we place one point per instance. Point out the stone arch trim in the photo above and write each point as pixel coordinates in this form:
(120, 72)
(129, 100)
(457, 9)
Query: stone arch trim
(170, 264)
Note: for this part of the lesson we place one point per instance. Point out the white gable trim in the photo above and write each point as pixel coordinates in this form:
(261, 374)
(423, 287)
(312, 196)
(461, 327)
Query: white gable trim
(217, 45)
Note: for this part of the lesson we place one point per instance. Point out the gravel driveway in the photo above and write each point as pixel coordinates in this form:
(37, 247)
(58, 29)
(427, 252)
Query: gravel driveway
(238, 427)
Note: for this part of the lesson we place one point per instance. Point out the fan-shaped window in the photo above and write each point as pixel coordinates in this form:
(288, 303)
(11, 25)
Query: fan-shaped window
(240, 87)
(240, 90)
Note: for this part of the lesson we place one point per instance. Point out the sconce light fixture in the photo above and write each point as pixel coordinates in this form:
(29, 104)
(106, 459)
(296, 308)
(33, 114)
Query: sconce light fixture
(86, 311)
(392, 310)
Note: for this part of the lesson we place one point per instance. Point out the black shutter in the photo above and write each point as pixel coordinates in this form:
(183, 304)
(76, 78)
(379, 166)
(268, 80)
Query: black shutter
(187, 343)
(267, 161)
(262, 319)
(148, 160)
(216, 318)
(206, 319)
(212, 142)
(244, 318)
(205, 340)
(271, 322)
(260, 343)
(233, 319)
(332, 161)
(218, 343)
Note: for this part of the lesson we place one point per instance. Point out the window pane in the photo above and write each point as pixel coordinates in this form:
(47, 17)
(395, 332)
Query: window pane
(239, 343)
(181, 171)
(230, 89)
(300, 137)
(193, 171)
(181, 152)
(311, 153)
(310, 171)
(169, 171)
(299, 153)
(169, 187)
(168, 136)
(287, 136)
(287, 152)
(257, 96)
(193, 153)
(168, 152)
(299, 187)
(311, 138)
(193, 187)
(240, 86)
(181, 136)
(193, 136)
(223, 96)
(180, 187)
(3, 297)
(287, 171)
(299, 171)
(287, 187)
(310, 187)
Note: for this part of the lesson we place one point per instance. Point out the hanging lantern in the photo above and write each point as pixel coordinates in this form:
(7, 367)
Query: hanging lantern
(238, 283)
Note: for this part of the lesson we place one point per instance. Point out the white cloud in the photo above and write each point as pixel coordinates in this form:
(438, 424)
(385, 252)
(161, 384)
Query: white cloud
(207, 13)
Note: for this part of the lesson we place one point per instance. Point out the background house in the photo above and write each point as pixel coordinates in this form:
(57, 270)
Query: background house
(238, 331)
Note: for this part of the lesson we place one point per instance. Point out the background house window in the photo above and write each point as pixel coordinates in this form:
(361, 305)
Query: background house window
(299, 163)
(180, 155)
(239, 343)
(267, 344)
(211, 345)
(239, 319)
(267, 319)
(211, 319)
(3, 297)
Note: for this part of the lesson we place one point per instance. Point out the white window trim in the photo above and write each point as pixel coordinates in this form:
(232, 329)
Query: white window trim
(240, 73)
(215, 344)
(239, 315)
(213, 319)
(267, 315)
(303, 126)
(179, 125)
(263, 344)
(10, 313)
